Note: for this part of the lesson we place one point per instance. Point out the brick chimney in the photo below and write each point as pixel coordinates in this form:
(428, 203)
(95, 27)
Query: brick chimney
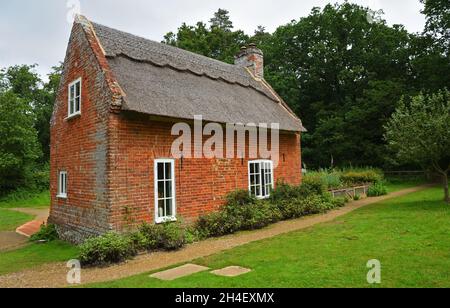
(253, 58)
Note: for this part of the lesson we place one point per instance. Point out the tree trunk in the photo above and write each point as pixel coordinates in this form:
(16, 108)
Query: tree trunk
(445, 182)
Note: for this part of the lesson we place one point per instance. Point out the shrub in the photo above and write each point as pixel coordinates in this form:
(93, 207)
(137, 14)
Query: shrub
(361, 177)
(253, 216)
(376, 190)
(168, 236)
(106, 249)
(217, 224)
(240, 197)
(331, 179)
(152, 236)
(313, 185)
(46, 233)
(173, 236)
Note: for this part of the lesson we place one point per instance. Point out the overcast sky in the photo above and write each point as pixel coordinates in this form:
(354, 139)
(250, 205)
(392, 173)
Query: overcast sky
(38, 31)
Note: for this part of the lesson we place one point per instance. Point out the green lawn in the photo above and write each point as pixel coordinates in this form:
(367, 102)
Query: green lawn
(409, 235)
(24, 200)
(395, 184)
(35, 255)
(10, 220)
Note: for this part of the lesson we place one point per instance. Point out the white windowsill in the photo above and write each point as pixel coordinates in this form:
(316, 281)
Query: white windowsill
(61, 196)
(73, 116)
(165, 219)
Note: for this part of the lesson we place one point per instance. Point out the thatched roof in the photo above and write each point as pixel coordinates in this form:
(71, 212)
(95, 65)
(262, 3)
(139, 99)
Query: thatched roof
(162, 80)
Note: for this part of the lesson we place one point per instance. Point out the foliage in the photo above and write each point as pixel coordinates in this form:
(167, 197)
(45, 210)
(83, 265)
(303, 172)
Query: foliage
(47, 233)
(437, 13)
(342, 178)
(242, 212)
(377, 189)
(19, 147)
(352, 178)
(342, 89)
(26, 104)
(419, 132)
(108, 248)
(217, 41)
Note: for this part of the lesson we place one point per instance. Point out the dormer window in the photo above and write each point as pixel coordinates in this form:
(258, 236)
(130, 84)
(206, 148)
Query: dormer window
(75, 98)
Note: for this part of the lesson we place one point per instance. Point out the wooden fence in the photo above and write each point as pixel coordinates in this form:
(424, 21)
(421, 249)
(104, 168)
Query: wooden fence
(351, 192)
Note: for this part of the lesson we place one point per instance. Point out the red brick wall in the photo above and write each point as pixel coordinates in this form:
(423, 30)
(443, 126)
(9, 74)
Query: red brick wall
(201, 184)
(79, 146)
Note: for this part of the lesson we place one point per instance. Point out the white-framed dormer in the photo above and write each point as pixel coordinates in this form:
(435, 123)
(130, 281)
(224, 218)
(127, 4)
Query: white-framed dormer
(165, 192)
(74, 98)
(62, 185)
(260, 178)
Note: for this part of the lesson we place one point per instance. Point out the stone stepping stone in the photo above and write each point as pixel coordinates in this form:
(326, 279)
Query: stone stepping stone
(231, 271)
(178, 272)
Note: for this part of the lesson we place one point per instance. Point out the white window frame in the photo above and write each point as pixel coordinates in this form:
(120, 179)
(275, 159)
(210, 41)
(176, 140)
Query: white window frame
(261, 164)
(62, 185)
(164, 219)
(71, 100)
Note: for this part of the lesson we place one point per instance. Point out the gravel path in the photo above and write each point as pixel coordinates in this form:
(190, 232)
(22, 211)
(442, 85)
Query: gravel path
(54, 274)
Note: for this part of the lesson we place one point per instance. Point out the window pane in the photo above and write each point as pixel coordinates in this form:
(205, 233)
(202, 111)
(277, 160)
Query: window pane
(65, 183)
(252, 168)
(253, 190)
(78, 89)
(161, 190)
(257, 168)
(169, 208)
(160, 171)
(263, 176)
(71, 105)
(161, 208)
(263, 191)
(257, 179)
(168, 171)
(77, 104)
(258, 191)
(168, 189)
(72, 92)
(252, 180)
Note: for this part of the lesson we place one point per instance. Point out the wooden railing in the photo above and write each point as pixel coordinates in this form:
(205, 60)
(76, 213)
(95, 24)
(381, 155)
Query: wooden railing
(351, 192)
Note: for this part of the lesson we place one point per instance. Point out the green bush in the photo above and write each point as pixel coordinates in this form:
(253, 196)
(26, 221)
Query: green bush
(376, 190)
(313, 185)
(173, 236)
(217, 224)
(351, 178)
(168, 236)
(106, 249)
(46, 233)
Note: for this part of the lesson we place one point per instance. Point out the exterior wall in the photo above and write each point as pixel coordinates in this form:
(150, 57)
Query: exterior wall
(79, 146)
(109, 156)
(201, 184)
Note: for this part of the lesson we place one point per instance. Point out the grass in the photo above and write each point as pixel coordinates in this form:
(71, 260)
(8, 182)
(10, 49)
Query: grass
(394, 184)
(26, 200)
(35, 255)
(409, 235)
(10, 220)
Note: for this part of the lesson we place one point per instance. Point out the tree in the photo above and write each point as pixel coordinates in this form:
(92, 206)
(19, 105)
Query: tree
(419, 132)
(218, 40)
(343, 75)
(221, 20)
(25, 83)
(19, 146)
(437, 13)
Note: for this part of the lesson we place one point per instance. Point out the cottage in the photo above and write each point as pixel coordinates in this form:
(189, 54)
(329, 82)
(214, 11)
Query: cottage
(112, 164)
